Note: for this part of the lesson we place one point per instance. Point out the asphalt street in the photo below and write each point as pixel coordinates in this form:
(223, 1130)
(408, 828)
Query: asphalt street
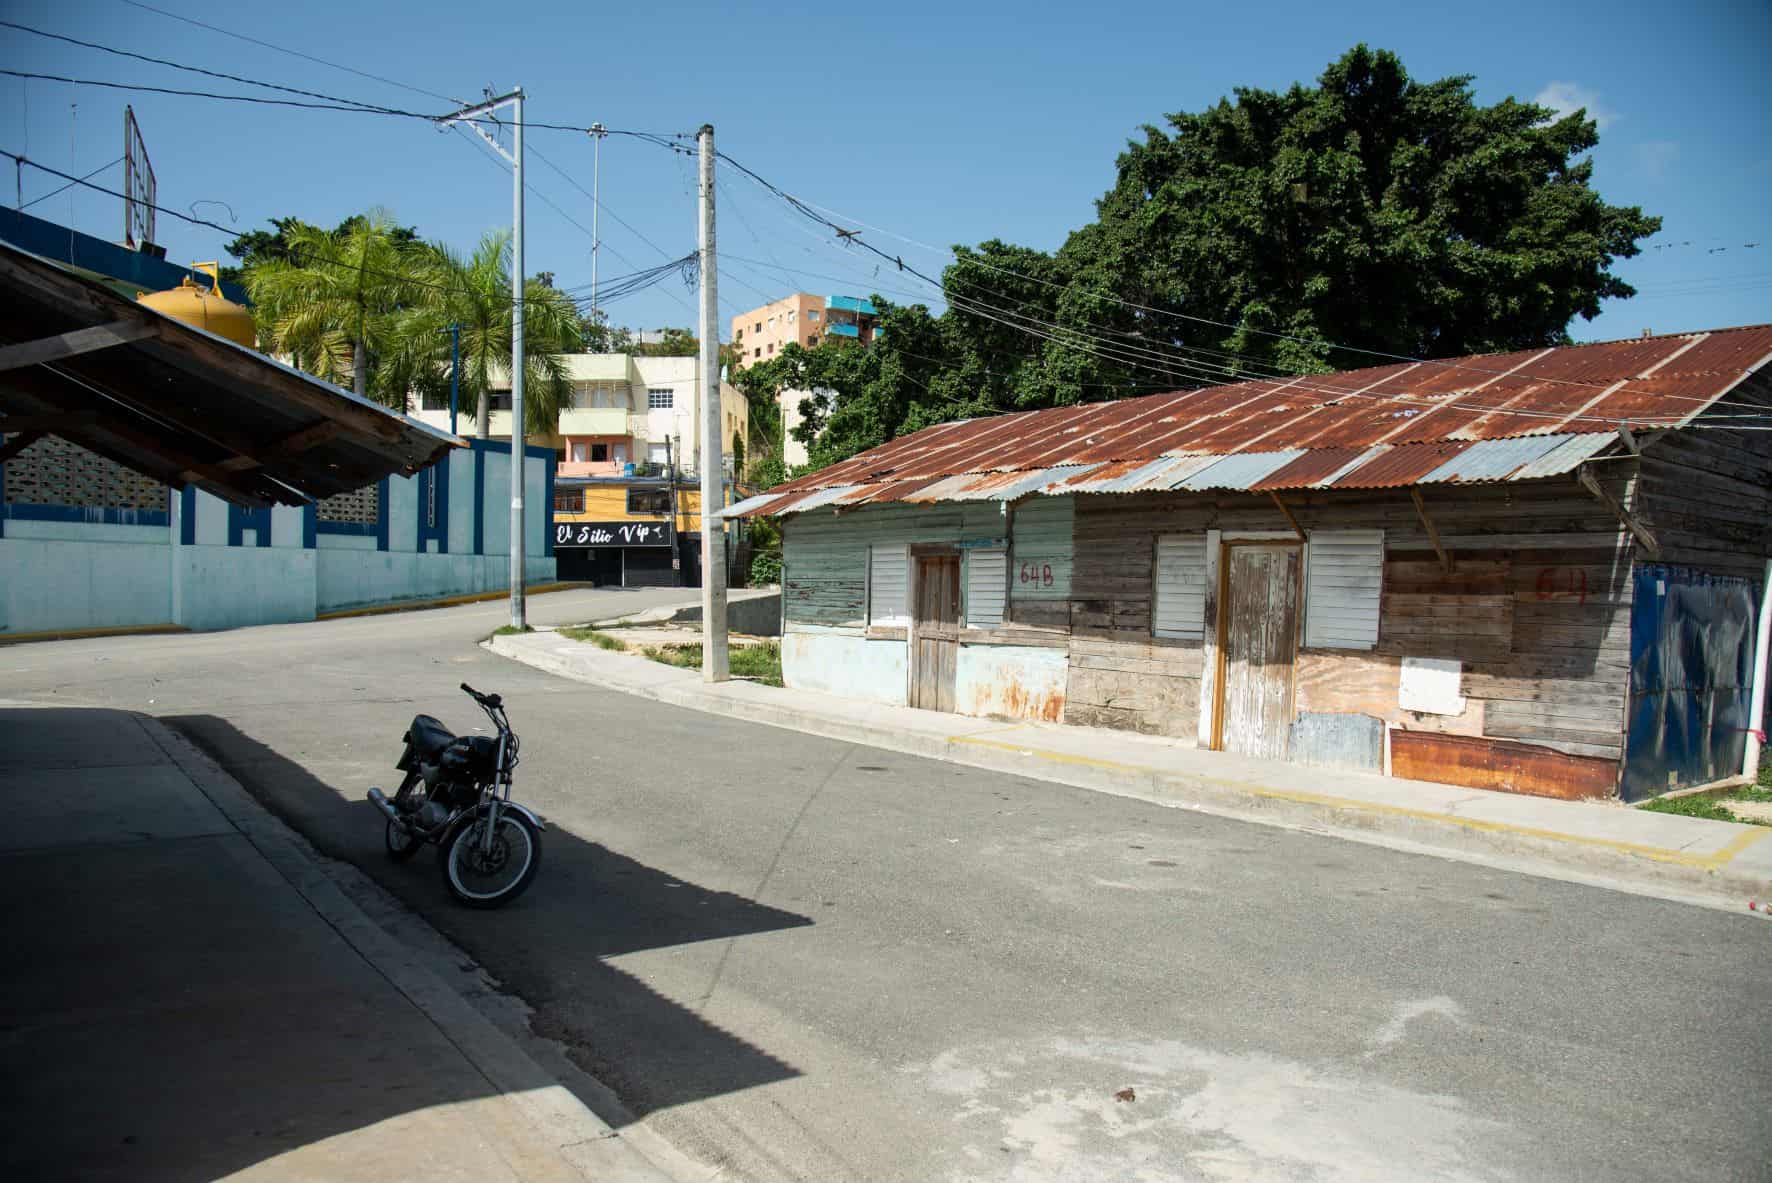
(802, 959)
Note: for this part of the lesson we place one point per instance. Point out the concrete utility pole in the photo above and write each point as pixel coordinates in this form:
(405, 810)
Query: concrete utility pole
(597, 133)
(515, 157)
(713, 539)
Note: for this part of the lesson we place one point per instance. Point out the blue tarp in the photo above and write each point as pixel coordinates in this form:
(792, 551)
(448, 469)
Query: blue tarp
(1691, 677)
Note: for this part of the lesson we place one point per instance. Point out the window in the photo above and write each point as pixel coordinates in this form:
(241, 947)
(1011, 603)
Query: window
(772, 347)
(659, 454)
(738, 333)
(1344, 576)
(660, 400)
(812, 314)
(812, 339)
(987, 584)
(649, 501)
(888, 580)
(759, 327)
(581, 452)
(501, 400)
(1180, 578)
(599, 453)
(757, 353)
(569, 500)
(790, 316)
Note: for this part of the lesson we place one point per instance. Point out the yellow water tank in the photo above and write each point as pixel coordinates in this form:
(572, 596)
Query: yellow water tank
(207, 308)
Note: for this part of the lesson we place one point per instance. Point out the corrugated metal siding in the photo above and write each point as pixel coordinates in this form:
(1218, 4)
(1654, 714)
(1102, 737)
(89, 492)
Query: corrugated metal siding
(1345, 576)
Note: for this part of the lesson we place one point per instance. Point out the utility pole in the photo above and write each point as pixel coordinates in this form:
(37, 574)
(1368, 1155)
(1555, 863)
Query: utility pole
(597, 133)
(454, 374)
(515, 157)
(713, 539)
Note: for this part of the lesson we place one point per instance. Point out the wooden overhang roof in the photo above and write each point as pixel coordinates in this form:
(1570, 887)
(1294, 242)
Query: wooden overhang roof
(1497, 417)
(180, 405)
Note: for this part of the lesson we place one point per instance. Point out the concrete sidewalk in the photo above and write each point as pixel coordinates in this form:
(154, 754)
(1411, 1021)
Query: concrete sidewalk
(190, 996)
(1715, 863)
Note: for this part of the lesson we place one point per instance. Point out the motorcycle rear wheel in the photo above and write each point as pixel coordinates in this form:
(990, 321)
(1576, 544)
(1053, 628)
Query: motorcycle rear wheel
(478, 880)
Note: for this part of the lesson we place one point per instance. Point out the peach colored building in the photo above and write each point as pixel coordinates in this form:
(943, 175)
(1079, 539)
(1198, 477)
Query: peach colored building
(759, 334)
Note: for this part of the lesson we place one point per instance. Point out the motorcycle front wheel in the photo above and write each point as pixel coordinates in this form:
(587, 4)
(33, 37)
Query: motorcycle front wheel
(489, 879)
(402, 843)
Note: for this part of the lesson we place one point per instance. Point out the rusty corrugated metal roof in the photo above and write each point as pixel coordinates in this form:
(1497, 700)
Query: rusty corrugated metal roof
(1511, 416)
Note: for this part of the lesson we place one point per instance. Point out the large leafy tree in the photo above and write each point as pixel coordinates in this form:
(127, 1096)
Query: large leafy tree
(1275, 232)
(475, 293)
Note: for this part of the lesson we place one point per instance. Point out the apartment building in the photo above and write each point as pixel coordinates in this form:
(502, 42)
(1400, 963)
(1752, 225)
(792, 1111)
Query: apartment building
(629, 415)
(760, 334)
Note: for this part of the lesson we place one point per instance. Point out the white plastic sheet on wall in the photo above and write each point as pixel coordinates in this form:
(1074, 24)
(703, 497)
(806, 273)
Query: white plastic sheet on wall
(1431, 685)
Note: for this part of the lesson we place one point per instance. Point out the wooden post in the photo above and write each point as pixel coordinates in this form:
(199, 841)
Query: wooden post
(1433, 535)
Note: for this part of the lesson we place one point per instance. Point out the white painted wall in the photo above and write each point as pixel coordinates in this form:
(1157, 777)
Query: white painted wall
(845, 664)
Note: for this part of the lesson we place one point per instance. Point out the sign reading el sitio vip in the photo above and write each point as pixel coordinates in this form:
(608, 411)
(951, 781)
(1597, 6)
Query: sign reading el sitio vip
(612, 534)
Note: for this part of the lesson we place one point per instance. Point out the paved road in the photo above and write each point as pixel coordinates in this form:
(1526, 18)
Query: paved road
(803, 959)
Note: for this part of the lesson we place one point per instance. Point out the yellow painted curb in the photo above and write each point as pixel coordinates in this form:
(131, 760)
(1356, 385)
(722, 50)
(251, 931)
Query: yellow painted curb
(75, 634)
(446, 602)
(1705, 862)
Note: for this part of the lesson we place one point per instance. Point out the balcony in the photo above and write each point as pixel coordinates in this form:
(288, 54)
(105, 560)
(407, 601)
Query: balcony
(594, 421)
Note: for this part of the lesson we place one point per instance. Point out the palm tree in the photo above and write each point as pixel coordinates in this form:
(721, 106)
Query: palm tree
(475, 293)
(332, 304)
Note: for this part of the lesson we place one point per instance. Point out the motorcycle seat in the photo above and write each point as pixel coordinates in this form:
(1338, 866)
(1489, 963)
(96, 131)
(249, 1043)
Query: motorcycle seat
(428, 736)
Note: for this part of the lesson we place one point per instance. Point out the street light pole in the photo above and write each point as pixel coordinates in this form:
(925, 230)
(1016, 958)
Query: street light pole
(471, 114)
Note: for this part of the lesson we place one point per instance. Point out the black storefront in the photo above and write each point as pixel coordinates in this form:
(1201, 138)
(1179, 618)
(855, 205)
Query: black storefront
(627, 554)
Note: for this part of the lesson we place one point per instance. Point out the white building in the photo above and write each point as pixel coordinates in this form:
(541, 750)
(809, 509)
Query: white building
(626, 409)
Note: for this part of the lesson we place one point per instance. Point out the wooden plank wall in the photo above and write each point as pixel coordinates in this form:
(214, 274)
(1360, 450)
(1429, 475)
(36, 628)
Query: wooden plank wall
(1706, 494)
(1537, 607)
(825, 554)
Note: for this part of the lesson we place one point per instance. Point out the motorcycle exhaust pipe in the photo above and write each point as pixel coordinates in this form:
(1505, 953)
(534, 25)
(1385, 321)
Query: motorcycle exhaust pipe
(380, 800)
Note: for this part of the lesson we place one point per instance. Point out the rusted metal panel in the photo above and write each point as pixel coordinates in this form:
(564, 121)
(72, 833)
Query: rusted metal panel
(1503, 764)
(1011, 682)
(1402, 465)
(1423, 415)
(1241, 471)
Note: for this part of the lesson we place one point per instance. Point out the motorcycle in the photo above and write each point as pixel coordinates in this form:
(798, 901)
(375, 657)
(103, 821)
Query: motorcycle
(457, 795)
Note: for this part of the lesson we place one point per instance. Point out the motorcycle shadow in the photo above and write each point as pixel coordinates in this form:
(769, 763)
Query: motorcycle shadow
(552, 947)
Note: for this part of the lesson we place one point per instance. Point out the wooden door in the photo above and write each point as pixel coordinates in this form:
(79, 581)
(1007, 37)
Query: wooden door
(1258, 640)
(935, 632)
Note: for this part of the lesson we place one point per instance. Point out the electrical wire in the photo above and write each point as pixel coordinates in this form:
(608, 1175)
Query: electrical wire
(95, 172)
(851, 235)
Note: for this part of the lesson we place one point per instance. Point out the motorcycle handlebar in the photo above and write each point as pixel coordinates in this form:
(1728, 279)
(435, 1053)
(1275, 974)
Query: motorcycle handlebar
(488, 700)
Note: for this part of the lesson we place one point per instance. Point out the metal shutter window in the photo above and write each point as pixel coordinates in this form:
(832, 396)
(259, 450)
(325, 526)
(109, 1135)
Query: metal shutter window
(888, 577)
(987, 586)
(1345, 575)
(1180, 609)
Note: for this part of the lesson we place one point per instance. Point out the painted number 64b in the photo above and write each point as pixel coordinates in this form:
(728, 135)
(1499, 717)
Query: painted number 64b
(1037, 573)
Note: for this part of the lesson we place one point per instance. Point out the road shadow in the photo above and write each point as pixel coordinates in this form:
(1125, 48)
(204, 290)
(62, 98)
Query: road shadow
(589, 903)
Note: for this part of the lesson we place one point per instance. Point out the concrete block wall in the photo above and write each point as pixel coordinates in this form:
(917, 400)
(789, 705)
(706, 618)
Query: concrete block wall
(205, 564)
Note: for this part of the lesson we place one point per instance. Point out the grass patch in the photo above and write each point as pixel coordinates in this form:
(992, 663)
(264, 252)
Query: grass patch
(761, 662)
(592, 637)
(506, 630)
(1713, 808)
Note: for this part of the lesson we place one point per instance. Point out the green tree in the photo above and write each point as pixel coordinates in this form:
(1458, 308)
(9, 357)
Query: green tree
(602, 337)
(475, 293)
(671, 343)
(1286, 232)
(331, 298)
(255, 246)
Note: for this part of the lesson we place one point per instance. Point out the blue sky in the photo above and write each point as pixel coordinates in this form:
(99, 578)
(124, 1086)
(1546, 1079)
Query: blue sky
(939, 123)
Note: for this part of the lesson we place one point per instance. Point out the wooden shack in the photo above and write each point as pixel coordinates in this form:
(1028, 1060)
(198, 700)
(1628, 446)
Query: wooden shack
(1540, 572)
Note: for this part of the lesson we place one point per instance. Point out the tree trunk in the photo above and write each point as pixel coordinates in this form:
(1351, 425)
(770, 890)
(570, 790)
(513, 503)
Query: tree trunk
(483, 414)
(359, 369)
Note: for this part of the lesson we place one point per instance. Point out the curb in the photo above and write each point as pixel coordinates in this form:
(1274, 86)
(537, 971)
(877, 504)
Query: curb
(540, 589)
(1706, 880)
(561, 1120)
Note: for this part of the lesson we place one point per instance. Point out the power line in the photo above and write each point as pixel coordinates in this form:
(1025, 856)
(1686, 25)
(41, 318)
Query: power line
(852, 236)
(95, 172)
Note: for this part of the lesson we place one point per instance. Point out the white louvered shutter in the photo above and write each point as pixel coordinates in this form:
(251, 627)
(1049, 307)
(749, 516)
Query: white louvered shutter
(1180, 608)
(888, 584)
(1346, 578)
(987, 585)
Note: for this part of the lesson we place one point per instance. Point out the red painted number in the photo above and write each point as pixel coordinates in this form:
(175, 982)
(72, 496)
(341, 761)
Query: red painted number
(1039, 574)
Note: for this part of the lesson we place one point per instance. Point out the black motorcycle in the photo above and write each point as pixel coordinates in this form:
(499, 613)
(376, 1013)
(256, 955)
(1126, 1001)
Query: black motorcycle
(457, 794)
